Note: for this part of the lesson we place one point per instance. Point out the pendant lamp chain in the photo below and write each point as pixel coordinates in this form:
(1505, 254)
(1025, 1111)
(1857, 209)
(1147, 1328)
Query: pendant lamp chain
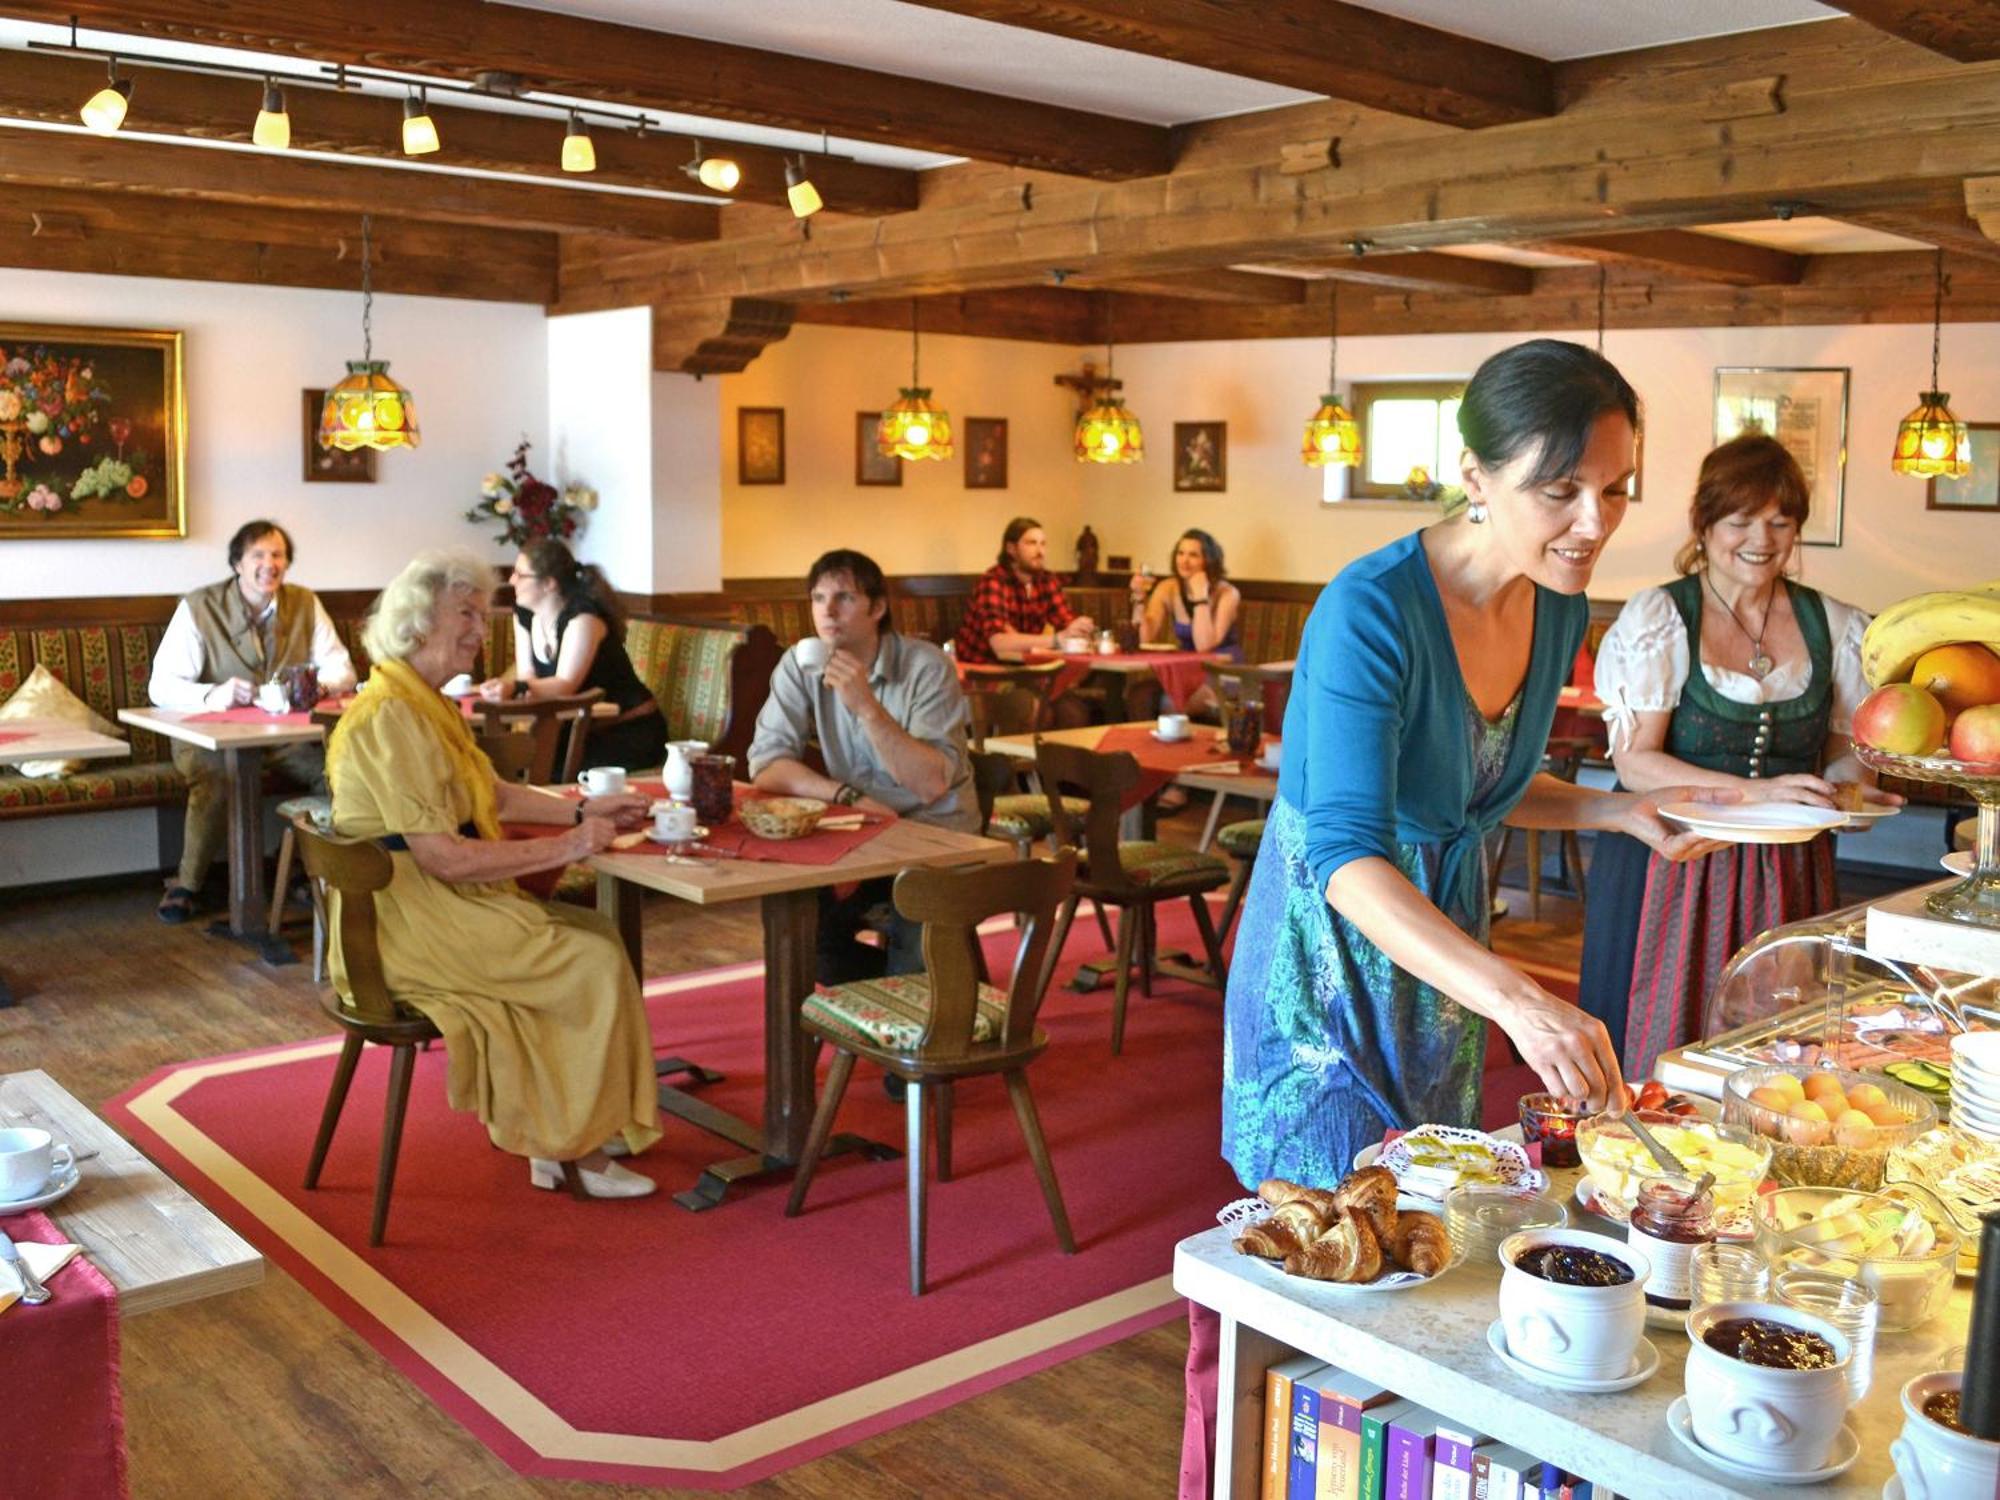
(1600, 307)
(367, 295)
(914, 378)
(1937, 316)
(1333, 336)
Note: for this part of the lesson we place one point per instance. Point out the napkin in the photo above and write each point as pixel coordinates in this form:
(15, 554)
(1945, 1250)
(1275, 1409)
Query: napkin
(43, 1260)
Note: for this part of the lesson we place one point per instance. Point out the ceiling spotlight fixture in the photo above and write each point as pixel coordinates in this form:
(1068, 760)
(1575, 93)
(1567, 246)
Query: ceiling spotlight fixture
(717, 173)
(367, 409)
(913, 428)
(104, 111)
(578, 154)
(420, 132)
(799, 191)
(1931, 443)
(273, 129)
(1333, 438)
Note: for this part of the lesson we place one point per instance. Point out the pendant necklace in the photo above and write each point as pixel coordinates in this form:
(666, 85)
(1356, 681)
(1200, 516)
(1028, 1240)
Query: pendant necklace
(1760, 664)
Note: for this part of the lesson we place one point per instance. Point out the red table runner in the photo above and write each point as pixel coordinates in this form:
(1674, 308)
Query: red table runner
(1179, 672)
(65, 1417)
(1160, 760)
(732, 838)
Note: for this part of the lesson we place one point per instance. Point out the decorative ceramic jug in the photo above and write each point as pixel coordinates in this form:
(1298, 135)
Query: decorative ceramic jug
(678, 773)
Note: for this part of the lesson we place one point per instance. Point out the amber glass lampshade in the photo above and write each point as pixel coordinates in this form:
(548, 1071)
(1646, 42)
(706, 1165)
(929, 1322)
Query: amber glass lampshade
(913, 428)
(368, 410)
(1333, 437)
(1108, 433)
(1931, 443)
(104, 111)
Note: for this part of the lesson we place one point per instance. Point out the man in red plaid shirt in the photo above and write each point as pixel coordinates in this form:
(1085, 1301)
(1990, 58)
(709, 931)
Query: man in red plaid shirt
(1017, 605)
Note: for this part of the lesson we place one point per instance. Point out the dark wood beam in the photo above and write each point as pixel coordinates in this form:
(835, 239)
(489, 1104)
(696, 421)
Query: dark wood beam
(1035, 314)
(284, 179)
(1223, 284)
(49, 88)
(1430, 271)
(720, 337)
(1963, 30)
(1320, 46)
(1681, 252)
(133, 234)
(655, 70)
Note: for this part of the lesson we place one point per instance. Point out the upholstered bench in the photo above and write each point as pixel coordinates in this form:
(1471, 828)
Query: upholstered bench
(710, 677)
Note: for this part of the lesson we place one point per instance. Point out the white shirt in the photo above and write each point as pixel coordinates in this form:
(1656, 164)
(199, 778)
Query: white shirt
(180, 664)
(1642, 665)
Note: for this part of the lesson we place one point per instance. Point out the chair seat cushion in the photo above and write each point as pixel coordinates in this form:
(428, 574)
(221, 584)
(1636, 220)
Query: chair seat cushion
(1025, 815)
(1241, 839)
(1170, 866)
(890, 1012)
(100, 784)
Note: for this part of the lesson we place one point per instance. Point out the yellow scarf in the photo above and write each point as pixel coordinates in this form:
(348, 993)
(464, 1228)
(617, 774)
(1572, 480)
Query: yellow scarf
(394, 680)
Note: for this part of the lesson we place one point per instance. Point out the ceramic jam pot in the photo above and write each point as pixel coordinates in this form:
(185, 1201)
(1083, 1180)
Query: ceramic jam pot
(1934, 1462)
(1582, 1332)
(1758, 1415)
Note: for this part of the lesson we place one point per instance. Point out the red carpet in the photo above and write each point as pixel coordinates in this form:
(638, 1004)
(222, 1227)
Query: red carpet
(636, 1342)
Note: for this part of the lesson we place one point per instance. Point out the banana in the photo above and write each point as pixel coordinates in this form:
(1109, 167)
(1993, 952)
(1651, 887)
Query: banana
(1906, 630)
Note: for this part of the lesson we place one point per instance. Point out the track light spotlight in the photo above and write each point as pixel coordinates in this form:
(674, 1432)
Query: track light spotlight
(420, 132)
(800, 192)
(104, 111)
(578, 154)
(273, 129)
(718, 173)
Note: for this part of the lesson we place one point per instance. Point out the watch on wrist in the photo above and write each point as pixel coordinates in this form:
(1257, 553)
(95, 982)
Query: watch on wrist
(848, 795)
(579, 814)
(520, 687)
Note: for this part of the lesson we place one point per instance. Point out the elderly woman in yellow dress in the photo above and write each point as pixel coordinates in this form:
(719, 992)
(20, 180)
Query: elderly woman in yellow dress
(543, 1024)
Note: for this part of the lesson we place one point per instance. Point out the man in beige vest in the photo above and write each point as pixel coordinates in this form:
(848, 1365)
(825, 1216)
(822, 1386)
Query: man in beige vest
(222, 642)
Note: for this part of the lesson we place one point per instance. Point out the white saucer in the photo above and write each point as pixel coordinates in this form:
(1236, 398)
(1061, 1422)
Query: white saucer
(1958, 862)
(59, 1187)
(1754, 822)
(1846, 1448)
(696, 837)
(1645, 1365)
(1870, 812)
(1170, 739)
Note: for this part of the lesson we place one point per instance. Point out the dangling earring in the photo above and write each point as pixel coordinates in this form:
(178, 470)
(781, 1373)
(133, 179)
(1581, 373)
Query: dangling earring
(1475, 512)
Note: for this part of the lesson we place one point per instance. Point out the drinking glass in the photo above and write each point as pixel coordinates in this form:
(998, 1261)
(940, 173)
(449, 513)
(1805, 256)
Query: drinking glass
(713, 792)
(1726, 1273)
(1849, 1305)
(1245, 726)
(301, 687)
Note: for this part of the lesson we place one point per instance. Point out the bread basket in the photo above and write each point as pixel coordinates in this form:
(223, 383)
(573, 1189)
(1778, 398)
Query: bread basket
(781, 817)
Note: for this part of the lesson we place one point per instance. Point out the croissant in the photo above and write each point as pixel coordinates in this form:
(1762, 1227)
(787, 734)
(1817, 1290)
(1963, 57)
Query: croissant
(1347, 1252)
(1270, 1239)
(1420, 1243)
(1277, 1191)
(1371, 1191)
(1303, 1218)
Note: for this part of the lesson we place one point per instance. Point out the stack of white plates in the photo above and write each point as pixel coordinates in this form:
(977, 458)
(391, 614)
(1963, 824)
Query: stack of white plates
(1975, 1084)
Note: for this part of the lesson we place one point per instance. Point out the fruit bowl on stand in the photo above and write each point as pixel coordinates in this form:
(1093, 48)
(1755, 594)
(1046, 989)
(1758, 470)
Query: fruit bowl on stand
(1975, 899)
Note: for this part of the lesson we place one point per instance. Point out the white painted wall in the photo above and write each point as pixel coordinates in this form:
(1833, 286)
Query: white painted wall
(476, 370)
(687, 505)
(600, 417)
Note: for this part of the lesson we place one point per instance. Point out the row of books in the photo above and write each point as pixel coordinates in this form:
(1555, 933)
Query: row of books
(1330, 1435)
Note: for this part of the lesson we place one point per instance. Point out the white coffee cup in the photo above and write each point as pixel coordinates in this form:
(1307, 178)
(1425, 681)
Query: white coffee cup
(461, 686)
(673, 822)
(1172, 727)
(602, 781)
(812, 653)
(28, 1159)
(1074, 644)
(1269, 755)
(271, 697)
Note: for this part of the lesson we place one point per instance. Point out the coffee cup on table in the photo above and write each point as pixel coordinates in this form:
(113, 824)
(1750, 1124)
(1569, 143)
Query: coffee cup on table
(673, 822)
(29, 1158)
(602, 781)
(1172, 727)
(812, 653)
(272, 698)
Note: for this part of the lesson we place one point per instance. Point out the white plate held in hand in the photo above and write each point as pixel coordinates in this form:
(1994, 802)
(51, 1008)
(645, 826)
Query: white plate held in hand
(1755, 822)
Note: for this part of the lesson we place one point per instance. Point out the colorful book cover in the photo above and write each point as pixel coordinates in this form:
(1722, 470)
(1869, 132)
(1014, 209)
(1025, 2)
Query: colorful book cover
(1410, 1445)
(1451, 1462)
(1342, 1399)
(1278, 1381)
(1507, 1470)
(1304, 1470)
(1374, 1443)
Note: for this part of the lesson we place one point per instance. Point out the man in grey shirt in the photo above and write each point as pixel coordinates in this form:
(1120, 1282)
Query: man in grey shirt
(889, 719)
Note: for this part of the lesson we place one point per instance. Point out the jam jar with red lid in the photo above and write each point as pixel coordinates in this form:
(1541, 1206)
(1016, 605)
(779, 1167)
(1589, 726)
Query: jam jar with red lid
(1673, 1215)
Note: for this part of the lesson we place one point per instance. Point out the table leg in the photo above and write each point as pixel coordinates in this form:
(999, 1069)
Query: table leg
(243, 769)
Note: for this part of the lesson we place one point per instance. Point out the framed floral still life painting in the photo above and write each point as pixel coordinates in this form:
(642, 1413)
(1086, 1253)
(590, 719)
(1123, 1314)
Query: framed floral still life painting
(330, 465)
(871, 464)
(1979, 490)
(986, 453)
(93, 432)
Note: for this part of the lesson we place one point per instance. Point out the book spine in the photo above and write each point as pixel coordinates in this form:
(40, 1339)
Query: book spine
(1277, 1433)
(1482, 1477)
(1339, 1449)
(1406, 1469)
(1451, 1469)
(1305, 1442)
(1374, 1433)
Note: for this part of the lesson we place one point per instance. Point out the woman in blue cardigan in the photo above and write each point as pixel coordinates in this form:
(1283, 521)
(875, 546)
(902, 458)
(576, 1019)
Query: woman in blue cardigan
(1426, 683)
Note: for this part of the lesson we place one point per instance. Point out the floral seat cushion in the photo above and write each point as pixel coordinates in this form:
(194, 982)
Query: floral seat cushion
(890, 1013)
(100, 784)
(1241, 839)
(1025, 815)
(1171, 867)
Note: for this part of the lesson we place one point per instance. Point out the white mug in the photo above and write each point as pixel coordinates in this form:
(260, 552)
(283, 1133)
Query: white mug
(673, 822)
(271, 697)
(812, 653)
(28, 1159)
(602, 781)
(1073, 644)
(1173, 727)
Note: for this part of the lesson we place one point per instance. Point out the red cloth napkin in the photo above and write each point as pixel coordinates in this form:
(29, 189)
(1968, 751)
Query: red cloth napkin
(1160, 759)
(8, 739)
(250, 715)
(65, 1416)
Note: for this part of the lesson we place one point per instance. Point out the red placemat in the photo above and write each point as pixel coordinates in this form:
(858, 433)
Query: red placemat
(250, 715)
(816, 848)
(9, 738)
(59, 1367)
(1159, 759)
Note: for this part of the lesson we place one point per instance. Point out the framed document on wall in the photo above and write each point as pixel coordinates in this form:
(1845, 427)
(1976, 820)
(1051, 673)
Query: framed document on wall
(1806, 410)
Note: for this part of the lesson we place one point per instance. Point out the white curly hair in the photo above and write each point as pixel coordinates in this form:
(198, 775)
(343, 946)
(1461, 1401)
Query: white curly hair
(403, 616)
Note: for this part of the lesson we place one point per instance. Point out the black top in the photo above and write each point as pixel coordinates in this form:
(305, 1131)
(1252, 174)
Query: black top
(611, 669)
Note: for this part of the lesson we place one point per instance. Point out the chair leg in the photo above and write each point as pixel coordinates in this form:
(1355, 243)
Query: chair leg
(1210, 942)
(1063, 920)
(822, 1128)
(1238, 883)
(1214, 820)
(319, 942)
(573, 1180)
(1149, 943)
(402, 1063)
(1128, 938)
(1038, 1152)
(914, 1104)
(1573, 861)
(1499, 864)
(1534, 874)
(336, 1096)
(1103, 925)
(942, 1089)
(286, 846)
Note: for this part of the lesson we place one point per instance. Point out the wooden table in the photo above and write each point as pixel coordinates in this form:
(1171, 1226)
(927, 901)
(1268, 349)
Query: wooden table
(152, 1241)
(1120, 669)
(51, 739)
(789, 898)
(242, 748)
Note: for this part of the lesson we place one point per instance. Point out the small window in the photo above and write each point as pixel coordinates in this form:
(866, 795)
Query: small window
(1405, 425)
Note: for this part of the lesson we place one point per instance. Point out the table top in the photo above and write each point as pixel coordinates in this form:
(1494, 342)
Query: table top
(173, 723)
(1129, 663)
(709, 881)
(1259, 785)
(152, 1241)
(1429, 1344)
(51, 739)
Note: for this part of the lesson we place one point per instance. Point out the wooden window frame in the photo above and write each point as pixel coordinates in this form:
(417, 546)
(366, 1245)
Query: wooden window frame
(1366, 393)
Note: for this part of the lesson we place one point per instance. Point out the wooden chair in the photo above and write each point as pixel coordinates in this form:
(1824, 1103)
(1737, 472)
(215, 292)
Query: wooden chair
(1269, 681)
(369, 1012)
(542, 720)
(932, 1029)
(996, 695)
(1564, 759)
(1134, 875)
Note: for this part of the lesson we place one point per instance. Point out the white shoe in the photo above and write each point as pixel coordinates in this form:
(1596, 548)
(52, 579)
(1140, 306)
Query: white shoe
(616, 1147)
(613, 1182)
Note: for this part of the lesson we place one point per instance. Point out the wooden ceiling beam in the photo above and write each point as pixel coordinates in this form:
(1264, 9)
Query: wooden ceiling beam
(44, 158)
(1428, 271)
(49, 88)
(654, 70)
(1320, 46)
(1962, 30)
(1035, 314)
(1680, 252)
(1220, 285)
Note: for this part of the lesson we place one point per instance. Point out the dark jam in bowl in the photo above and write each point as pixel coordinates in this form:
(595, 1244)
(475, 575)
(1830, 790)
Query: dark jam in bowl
(1574, 1265)
(1943, 1410)
(1776, 1346)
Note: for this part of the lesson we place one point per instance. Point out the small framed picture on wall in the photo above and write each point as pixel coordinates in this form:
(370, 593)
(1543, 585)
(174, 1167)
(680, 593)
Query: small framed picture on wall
(1979, 490)
(1201, 453)
(760, 445)
(871, 464)
(330, 465)
(986, 453)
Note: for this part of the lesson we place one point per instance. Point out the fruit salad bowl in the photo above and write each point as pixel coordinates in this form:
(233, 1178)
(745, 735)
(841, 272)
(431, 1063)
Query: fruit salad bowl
(1619, 1163)
(1899, 1241)
(1828, 1127)
(1975, 899)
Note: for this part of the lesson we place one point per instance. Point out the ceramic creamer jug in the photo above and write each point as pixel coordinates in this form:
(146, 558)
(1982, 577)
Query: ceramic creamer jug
(678, 774)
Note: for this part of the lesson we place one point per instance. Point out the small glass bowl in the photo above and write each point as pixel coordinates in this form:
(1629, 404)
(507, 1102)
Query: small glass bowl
(1552, 1120)
(1479, 1215)
(1619, 1165)
(1912, 1289)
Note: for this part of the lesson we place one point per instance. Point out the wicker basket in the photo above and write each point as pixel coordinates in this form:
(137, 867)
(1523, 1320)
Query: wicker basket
(781, 817)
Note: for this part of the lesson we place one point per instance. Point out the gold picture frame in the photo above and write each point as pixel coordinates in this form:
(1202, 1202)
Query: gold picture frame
(93, 432)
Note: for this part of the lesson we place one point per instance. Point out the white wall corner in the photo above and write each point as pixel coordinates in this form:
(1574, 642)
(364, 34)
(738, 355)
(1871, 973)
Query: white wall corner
(600, 434)
(687, 484)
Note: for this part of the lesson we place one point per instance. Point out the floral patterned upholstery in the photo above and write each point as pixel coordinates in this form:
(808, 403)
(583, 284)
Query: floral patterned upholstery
(1241, 839)
(1271, 628)
(788, 617)
(1171, 868)
(890, 1013)
(687, 669)
(102, 785)
(1025, 815)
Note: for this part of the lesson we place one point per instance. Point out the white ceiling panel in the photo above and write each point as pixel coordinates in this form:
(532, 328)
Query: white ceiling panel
(1812, 236)
(1563, 29)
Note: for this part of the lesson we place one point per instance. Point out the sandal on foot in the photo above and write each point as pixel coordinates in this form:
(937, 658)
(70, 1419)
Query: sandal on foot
(177, 906)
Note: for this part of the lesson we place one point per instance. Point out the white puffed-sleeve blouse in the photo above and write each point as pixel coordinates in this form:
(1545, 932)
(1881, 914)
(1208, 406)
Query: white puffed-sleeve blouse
(1642, 664)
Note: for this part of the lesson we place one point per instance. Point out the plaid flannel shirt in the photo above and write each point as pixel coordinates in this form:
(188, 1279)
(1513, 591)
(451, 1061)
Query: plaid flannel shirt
(1003, 602)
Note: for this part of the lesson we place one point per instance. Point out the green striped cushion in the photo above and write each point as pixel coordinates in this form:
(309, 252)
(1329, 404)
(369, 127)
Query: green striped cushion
(1156, 864)
(1241, 839)
(1025, 815)
(890, 1012)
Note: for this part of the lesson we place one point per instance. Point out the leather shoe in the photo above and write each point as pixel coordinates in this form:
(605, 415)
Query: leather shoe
(613, 1182)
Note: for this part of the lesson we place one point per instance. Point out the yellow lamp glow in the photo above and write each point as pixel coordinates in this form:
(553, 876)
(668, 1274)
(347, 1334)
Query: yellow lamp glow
(420, 132)
(578, 154)
(104, 111)
(1931, 443)
(1108, 433)
(273, 129)
(368, 410)
(913, 428)
(1332, 437)
(800, 192)
(719, 173)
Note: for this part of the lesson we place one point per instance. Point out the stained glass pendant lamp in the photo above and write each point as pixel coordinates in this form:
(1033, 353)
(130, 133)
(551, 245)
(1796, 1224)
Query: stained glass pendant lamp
(913, 428)
(1106, 430)
(368, 409)
(1333, 438)
(1931, 443)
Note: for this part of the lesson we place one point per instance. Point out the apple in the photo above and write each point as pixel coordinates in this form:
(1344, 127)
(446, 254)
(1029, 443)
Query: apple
(1775, 1100)
(1901, 719)
(1788, 1084)
(1819, 1085)
(1976, 735)
(1959, 676)
(1807, 1124)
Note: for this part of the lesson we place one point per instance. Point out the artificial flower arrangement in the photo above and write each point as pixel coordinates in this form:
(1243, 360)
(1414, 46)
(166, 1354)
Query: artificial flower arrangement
(531, 509)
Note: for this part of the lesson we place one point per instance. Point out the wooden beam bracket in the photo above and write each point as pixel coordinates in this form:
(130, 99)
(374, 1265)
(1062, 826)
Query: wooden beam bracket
(1296, 158)
(57, 226)
(1745, 100)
